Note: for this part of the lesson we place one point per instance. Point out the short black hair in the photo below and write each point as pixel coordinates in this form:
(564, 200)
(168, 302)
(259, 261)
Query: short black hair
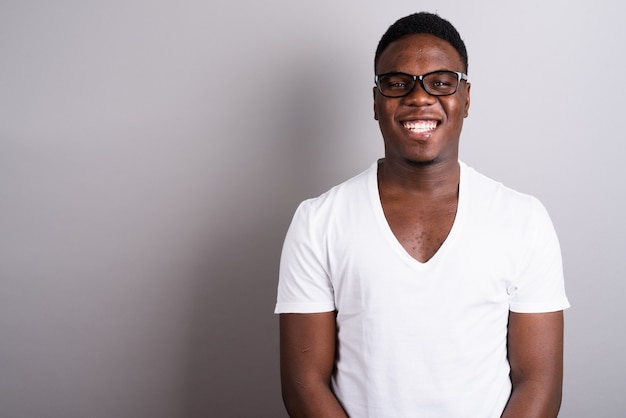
(422, 22)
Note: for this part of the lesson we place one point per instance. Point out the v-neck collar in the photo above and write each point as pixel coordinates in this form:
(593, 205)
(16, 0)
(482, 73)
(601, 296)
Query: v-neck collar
(382, 223)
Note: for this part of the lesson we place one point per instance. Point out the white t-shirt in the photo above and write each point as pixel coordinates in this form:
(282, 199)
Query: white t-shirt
(421, 339)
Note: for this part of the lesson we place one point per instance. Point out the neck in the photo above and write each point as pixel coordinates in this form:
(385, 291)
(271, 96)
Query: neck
(433, 178)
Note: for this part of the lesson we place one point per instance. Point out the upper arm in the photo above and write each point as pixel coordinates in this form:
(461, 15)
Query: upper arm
(535, 351)
(307, 346)
(307, 361)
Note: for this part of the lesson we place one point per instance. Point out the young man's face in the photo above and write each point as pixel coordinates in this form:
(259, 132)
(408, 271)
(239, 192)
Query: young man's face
(420, 128)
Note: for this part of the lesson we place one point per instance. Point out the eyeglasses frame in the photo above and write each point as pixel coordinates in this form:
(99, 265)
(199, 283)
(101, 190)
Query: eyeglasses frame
(420, 78)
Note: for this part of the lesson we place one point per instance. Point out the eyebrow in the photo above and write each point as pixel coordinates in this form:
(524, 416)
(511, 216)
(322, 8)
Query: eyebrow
(427, 72)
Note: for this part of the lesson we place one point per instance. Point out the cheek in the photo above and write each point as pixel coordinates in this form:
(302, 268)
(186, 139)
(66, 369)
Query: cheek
(383, 110)
(456, 110)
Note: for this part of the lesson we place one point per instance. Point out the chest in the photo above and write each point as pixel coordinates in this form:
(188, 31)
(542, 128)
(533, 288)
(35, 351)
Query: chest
(420, 227)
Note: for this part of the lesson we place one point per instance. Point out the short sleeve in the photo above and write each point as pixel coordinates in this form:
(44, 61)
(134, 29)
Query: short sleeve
(539, 286)
(304, 284)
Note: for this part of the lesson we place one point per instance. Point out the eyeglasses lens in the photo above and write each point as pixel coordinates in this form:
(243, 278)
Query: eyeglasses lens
(439, 83)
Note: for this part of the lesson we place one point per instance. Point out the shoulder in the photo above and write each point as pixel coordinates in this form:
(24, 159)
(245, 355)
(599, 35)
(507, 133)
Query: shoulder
(496, 210)
(342, 197)
(489, 193)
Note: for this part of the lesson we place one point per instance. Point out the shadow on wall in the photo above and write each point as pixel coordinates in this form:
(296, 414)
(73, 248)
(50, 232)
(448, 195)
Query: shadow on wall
(234, 361)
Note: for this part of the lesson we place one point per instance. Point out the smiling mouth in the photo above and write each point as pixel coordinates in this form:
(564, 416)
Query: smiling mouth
(420, 126)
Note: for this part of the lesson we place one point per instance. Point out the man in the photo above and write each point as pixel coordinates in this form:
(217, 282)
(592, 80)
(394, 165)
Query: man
(420, 288)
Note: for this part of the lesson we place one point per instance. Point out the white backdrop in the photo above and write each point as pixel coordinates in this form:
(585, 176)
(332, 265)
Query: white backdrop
(152, 154)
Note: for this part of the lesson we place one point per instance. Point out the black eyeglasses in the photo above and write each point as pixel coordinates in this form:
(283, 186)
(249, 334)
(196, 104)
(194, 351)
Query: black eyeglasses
(437, 83)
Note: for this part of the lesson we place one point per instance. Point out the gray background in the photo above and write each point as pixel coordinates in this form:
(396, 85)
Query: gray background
(152, 154)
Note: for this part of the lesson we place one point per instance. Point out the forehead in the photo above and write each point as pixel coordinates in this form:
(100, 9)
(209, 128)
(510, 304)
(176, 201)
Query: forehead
(418, 54)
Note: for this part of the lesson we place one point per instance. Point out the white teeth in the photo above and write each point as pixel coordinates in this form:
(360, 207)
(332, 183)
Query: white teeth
(421, 125)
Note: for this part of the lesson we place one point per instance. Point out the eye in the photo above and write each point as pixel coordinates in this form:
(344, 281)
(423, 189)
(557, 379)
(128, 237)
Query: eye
(395, 82)
(441, 82)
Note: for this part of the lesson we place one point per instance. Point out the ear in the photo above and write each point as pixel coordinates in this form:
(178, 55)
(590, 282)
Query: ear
(467, 98)
(375, 111)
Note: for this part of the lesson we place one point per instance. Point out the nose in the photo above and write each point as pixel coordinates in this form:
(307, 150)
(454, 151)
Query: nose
(418, 96)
